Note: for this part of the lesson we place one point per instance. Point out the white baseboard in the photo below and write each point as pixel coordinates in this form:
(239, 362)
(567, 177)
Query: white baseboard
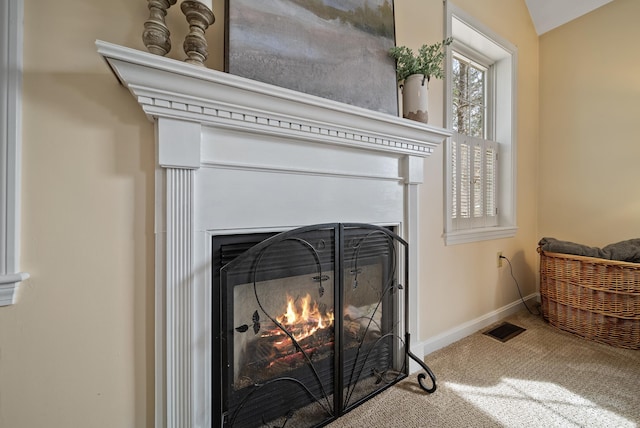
(424, 348)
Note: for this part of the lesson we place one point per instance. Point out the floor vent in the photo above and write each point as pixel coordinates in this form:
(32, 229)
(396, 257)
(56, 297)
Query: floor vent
(504, 331)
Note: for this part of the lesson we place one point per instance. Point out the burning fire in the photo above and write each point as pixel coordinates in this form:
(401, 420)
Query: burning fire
(303, 318)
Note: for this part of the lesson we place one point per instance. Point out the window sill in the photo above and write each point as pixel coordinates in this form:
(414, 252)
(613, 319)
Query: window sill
(8, 287)
(481, 234)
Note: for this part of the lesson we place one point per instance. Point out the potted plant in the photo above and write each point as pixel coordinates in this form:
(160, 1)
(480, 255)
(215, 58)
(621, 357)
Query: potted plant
(414, 71)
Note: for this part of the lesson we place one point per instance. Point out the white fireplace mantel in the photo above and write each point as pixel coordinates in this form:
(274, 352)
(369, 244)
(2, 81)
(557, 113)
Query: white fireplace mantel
(236, 155)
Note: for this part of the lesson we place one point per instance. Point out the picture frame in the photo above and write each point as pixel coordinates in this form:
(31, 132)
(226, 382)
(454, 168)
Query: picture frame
(335, 49)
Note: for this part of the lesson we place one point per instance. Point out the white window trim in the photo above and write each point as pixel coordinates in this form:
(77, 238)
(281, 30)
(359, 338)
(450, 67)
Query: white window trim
(11, 29)
(505, 135)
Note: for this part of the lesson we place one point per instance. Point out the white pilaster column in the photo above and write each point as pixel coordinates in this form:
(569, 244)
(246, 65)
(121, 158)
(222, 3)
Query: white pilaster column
(414, 176)
(178, 145)
(179, 290)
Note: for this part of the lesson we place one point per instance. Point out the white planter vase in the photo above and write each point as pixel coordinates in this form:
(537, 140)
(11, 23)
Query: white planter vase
(415, 98)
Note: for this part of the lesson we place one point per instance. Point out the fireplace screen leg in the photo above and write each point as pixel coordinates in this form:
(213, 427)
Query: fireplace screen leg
(421, 376)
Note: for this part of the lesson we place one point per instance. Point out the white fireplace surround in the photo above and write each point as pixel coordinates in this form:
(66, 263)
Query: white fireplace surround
(239, 156)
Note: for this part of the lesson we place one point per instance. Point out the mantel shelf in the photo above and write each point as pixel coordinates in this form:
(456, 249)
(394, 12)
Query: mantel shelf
(169, 88)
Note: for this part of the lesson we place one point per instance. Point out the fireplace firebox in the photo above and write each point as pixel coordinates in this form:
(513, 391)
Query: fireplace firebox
(312, 323)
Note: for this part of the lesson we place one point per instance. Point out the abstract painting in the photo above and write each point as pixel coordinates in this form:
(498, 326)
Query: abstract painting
(335, 49)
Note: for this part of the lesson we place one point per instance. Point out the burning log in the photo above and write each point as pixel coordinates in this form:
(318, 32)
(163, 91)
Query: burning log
(303, 333)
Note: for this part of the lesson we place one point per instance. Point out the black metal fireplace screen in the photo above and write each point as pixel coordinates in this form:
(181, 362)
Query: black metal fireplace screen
(309, 323)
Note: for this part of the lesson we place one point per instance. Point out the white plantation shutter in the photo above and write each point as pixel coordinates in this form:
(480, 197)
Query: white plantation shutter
(474, 179)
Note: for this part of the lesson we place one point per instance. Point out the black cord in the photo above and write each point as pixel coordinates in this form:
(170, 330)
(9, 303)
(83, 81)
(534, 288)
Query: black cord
(518, 286)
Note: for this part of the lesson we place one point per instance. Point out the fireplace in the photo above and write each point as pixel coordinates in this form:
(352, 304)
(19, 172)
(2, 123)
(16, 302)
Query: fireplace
(242, 159)
(312, 325)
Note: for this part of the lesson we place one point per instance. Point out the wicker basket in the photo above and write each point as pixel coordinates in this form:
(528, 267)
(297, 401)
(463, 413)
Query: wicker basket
(595, 298)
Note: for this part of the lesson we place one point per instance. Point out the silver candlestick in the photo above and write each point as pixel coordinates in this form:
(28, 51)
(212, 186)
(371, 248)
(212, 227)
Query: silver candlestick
(199, 17)
(156, 35)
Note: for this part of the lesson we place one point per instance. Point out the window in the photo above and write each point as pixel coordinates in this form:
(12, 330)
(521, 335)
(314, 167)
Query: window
(480, 155)
(473, 159)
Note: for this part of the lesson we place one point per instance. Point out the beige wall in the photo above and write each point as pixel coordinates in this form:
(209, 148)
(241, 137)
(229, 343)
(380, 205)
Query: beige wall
(589, 147)
(460, 283)
(77, 348)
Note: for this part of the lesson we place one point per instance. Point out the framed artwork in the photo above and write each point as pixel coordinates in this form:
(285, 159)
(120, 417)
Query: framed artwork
(335, 49)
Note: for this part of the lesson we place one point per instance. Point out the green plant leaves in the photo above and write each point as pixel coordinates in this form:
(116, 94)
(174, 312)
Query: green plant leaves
(427, 61)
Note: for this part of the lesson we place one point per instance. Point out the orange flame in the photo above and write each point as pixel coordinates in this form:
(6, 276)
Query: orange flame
(304, 318)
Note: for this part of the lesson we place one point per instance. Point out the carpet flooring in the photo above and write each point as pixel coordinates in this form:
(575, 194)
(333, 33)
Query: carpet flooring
(543, 377)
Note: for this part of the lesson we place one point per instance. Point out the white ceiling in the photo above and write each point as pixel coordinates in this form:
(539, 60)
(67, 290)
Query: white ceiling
(549, 14)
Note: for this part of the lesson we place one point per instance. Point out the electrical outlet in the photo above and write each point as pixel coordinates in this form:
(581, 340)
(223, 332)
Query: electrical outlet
(499, 259)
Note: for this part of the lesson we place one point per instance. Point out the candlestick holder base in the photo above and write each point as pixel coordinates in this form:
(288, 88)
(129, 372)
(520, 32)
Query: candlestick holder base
(156, 35)
(199, 17)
